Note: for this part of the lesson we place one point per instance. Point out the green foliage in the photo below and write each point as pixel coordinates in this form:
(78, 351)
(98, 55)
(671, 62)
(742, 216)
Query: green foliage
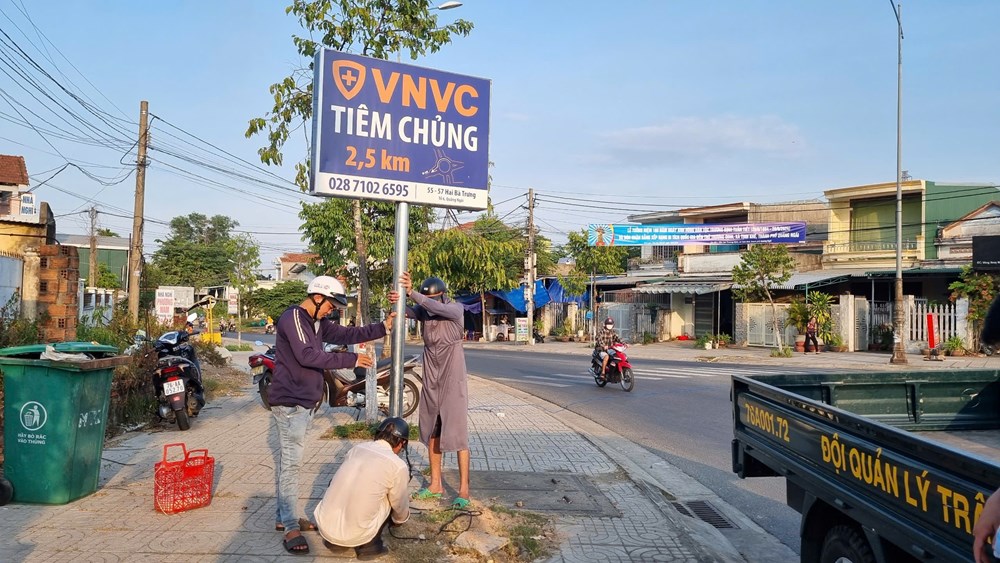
(723, 338)
(762, 267)
(782, 352)
(362, 431)
(980, 289)
(239, 347)
(467, 260)
(954, 343)
(704, 339)
(595, 259)
(834, 340)
(105, 232)
(821, 307)
(14, 329)
(274, 301)
(197, 252)
(207, 353)
(798, 315)
(245, 259)
(574, 283)
(648, 337)
(105, 278)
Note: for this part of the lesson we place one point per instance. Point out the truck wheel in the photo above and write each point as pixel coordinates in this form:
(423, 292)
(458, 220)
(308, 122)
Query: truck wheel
(844, 544)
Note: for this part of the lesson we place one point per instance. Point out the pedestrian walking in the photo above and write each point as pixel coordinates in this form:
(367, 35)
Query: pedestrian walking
(297, 387)
(367, 494)
(444, 399)
(811, 328)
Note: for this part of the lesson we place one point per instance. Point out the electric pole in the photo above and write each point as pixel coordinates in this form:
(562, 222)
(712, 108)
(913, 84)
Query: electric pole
(529, 264)
(135, 254)
(93, 246)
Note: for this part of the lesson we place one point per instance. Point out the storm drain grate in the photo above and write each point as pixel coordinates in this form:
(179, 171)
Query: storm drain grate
(704, 511)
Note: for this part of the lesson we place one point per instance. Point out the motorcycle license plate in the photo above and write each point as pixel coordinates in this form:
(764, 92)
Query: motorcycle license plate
(173, 386)
(257, 370)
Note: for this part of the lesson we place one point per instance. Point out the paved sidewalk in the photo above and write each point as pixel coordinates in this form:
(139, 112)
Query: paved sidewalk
(511, 431)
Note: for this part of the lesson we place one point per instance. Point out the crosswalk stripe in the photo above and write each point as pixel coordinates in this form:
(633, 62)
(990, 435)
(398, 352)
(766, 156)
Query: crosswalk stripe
(547, 384)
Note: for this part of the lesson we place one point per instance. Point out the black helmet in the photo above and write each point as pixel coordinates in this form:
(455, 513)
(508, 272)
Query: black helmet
(393, 430)
(609, 321)
(433, 286)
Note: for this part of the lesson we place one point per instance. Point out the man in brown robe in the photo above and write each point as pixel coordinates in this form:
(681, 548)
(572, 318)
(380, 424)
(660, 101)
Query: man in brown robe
(444, 399)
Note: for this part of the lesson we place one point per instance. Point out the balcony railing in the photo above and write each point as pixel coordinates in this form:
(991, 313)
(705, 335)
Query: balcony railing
(873, 246)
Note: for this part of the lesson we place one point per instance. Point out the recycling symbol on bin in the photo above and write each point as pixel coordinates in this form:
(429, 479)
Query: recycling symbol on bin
(33, 416)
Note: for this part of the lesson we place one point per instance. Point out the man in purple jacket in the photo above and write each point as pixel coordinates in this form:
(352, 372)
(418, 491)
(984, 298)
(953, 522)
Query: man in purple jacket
(297, 386)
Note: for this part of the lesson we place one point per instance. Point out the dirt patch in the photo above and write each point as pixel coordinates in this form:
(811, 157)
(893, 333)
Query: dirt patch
(225, 381)
(429, 536)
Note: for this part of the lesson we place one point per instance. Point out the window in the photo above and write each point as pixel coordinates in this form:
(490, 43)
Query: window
(43, 287)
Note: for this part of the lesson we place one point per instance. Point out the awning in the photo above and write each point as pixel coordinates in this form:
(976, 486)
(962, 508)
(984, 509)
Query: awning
(819, 278)
(697, 288)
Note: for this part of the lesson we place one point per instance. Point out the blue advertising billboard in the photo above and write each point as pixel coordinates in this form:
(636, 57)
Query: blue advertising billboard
(694, 233)
(397, 132)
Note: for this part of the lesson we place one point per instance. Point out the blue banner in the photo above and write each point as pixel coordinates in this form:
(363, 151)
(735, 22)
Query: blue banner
(389, 131)
(691, 233)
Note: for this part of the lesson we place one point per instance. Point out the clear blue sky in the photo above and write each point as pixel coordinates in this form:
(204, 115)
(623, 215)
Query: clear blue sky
(629, 106)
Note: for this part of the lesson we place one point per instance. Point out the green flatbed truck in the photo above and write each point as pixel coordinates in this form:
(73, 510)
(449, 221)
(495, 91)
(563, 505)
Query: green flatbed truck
(883, 467)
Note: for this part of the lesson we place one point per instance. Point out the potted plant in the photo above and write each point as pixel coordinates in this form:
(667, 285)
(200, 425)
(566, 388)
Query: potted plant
(836, 343)
(798, 317)
(723, 340)
(704, 341)
(955, 346)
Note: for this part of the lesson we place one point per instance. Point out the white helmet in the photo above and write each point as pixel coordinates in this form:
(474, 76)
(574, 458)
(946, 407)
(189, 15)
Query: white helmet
(328, 287)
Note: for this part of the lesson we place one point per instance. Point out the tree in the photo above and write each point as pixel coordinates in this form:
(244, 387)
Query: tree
(595, 259)
(106, 278)
(980, 289)
(197, 252)
(274, 301)
(245, 259)
(467, 260)
(107, 233)
(373, 28)
(761, 268)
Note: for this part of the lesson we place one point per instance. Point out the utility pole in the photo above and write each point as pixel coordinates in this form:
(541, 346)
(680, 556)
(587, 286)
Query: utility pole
(93, 246)
(899, 316)
(135, 256)
(529, 264)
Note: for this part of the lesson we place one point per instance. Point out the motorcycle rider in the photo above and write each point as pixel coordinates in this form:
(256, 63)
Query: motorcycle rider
(606, 338)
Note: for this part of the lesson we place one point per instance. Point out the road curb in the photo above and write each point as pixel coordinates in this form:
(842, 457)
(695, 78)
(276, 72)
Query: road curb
(662, 482)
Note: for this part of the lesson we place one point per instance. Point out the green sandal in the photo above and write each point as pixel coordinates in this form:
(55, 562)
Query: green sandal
(425, 494)
(460, 503)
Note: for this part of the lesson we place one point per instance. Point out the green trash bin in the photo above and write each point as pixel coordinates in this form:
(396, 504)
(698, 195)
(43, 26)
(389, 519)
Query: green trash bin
(55, 415)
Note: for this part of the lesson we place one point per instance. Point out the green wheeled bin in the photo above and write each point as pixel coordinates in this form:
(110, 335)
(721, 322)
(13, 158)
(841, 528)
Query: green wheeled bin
(55, 415)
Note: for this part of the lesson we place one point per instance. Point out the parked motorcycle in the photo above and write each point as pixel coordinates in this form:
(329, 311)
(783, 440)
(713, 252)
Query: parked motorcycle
(619, 369)
(341, 387)
(177, 378)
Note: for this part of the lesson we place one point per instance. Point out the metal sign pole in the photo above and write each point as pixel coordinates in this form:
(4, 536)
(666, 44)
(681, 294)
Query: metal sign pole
(399, 324)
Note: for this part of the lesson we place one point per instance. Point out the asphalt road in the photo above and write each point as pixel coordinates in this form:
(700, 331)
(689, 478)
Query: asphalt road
(678, 410)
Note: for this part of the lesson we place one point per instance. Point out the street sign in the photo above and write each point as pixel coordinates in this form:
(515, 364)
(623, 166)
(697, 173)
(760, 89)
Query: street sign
(233, 303)
(986, 253)
(165, 305)
(396, 132)
(696, 233)
(521, 329)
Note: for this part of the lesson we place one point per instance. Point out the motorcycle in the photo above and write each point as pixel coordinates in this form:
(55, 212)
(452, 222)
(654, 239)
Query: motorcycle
(619, 369)
(177, 379)
(345, 387)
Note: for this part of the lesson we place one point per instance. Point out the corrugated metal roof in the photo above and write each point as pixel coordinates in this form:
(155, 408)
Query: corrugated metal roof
(697, 288)
(818, 278)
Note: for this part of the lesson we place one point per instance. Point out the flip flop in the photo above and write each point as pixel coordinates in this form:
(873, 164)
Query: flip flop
(425, 494)
(293, 545)
(460, 503)
(304, 526)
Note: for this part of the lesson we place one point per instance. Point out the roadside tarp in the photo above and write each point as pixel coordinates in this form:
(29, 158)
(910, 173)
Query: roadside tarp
(515, 297)
(557, 294)
(471, 303)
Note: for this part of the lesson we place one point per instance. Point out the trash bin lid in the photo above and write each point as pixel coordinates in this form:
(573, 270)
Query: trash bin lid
(33, 351)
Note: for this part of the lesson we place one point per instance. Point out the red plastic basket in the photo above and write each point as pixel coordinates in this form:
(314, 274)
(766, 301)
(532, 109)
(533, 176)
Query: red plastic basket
(184, 484)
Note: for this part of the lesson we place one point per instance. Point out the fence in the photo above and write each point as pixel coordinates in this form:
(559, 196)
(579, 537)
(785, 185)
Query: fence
(947, 322)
